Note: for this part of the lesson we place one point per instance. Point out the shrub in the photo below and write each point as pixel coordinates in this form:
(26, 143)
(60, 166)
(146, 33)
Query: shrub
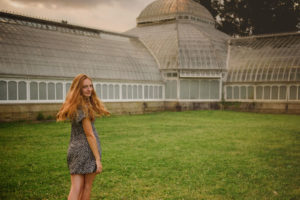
(40, 116)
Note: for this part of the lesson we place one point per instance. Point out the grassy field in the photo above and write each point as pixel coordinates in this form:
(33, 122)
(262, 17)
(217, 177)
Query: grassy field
(167, 155)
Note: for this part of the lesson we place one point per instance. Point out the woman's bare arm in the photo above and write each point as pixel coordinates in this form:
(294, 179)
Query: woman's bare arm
(88, 130)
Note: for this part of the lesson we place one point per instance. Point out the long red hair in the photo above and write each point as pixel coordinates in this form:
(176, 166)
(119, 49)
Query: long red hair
(91, 106)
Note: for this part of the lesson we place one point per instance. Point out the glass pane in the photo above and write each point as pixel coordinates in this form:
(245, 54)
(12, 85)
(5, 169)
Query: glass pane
(243, 92)
(146, 92)
(214, 89)
(129, 92)
(155, 92)
(151, 92)
(293, 93)
(204, 89)
(134, 92)
(42, 91)
(298, 92)
(68, 85)
(117, 92)
(59, 91)
(236, 92)
(98, 90)
(228, 92)
(22, 90)
(104, 88)
(124, 92)
(12, 90)
(111, 91)
(250, 92)
(259, 90)
(267, 92)
(160, 92)
(282, 92)
(3, 90)
(184, 89)
(194, 94)
(51, 91)
(140, 92)
(33, 91)
(274, 92)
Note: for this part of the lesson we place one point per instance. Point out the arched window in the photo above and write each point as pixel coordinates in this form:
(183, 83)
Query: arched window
(12, 90)
(267, 92)
(3, 90)
(98, 90)
(104, 89)
(117, 92)
(259, 92)
(51, 91)
(129, 92)
(236, 92)
(293, 92)
(134, 92)
(42, 91)
(228, 92)
(146, 92)
(22, 90)
(250, 92)
(243, 92)
(68, 85)
(124, 92)
(33, 91)
(282, 92)
(151, 92)
(274, 92)
(59, 91)
(140, 92)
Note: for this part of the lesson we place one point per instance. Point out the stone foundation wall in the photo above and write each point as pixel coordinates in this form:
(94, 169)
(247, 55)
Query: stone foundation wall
(17, 112)
(264, 107)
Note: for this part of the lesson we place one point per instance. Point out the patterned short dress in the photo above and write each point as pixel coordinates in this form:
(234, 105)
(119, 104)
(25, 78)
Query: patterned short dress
(80, 157)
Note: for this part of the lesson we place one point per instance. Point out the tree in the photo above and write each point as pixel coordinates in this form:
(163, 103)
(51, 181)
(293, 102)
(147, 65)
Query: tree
(247, 17)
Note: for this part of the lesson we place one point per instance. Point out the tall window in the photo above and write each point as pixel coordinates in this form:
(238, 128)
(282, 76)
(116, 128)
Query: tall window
(12, 90)
(33, 91)
(228, 92)
(59, 91)
(3, 90)
(51, 91)
(42, 91)
(22, 90)
(117, 92)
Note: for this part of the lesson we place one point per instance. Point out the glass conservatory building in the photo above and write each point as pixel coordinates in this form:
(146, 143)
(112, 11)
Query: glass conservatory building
(264, 68)
(174, 59)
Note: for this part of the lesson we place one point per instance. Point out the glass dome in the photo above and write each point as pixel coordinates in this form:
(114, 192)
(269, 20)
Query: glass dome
(162, 10)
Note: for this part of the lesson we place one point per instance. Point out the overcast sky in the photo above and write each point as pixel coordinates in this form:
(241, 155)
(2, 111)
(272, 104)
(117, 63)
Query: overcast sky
(112, 15)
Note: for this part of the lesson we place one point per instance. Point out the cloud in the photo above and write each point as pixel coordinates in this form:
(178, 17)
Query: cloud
(74, 3)
(113, 15)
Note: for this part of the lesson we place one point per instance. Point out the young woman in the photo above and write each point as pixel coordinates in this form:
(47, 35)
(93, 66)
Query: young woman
(84, 152)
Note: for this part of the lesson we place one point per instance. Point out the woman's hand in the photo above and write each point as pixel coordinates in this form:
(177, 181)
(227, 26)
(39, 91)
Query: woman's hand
(99, 167)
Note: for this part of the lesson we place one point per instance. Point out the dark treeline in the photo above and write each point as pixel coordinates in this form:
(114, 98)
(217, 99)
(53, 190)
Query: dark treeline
(252, 17)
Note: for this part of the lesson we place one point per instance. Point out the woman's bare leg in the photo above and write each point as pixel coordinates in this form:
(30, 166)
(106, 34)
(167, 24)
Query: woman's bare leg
(77, 185)
(88, 183)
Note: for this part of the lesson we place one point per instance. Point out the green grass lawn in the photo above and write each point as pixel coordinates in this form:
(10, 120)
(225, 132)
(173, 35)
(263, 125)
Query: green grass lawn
(167, 155)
